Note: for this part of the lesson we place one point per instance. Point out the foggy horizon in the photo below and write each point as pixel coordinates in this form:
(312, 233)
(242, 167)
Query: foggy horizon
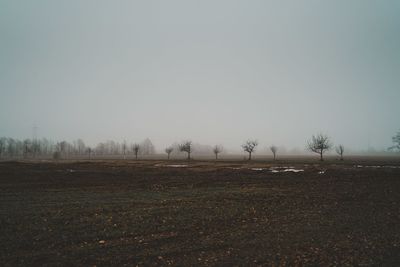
(214, 72)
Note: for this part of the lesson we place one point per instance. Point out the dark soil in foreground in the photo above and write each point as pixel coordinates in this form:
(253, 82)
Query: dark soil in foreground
(148, 214)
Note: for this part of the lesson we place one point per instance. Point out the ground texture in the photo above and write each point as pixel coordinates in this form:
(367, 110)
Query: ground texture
(157, 213)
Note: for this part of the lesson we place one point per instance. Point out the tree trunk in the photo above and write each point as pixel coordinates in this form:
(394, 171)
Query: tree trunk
(322, 159)
(249, 155)
(216, 156)
(188, 156)
(136, 156)
(168, 156)
(274, 156)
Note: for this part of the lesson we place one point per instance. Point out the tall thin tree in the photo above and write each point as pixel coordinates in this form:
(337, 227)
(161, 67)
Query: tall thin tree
(217, 149)
(135, 149)
(274, 149)
(340, 151)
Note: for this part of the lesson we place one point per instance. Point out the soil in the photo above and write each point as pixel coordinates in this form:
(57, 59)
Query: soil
(200, 213)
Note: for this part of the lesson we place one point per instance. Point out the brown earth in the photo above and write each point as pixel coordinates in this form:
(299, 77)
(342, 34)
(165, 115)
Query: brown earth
(146, 213)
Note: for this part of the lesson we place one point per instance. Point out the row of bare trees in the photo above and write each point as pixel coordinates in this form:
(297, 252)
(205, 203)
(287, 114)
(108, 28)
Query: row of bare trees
(14, 148)
(396, 142)
(319, 144)
(44, 148)
(187, 147)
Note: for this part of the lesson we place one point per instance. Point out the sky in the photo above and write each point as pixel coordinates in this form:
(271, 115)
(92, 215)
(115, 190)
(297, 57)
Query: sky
(212, 71)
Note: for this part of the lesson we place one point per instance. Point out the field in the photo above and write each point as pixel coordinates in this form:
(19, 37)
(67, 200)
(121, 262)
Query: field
(158, 213)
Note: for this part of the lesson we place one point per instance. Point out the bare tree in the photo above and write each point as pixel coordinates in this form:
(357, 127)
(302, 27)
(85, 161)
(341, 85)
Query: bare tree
(250, 146)
(274, 149)
(62, 147)
(319, 144)
(27, 147)
(89, 151)
(135, 149)
(217, 149)
(81, 146)
(78, 147)
(186, 146)
(396, 141)
(12, 147)
(147, 147)
(124, 148)
(45, 147)
(100, 149)
(35, 147)
(3, 142)
(169, 150)
(340, 151)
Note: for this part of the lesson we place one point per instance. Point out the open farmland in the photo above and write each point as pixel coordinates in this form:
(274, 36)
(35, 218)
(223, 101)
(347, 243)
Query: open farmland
(157, 213)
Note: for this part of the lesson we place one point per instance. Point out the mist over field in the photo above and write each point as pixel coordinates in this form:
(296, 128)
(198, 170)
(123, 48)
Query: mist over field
(199, 133)
(214, 72)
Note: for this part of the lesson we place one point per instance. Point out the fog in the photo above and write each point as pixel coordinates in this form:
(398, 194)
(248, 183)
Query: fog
(214, 72)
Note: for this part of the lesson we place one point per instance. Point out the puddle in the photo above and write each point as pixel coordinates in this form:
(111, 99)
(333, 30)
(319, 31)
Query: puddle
(278, 169)
(171, 165)
(177, 165)
(376, 166)
(293, 170)
(284, 169)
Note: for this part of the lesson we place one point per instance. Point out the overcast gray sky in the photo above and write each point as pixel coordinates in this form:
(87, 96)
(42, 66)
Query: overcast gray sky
(210, 71)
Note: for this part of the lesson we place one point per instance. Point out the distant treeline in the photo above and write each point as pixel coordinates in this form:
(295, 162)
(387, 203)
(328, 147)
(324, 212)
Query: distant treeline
(44, 148)
(12, 148)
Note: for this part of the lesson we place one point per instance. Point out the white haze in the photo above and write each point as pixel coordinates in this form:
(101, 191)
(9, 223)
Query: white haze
(215, 72)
